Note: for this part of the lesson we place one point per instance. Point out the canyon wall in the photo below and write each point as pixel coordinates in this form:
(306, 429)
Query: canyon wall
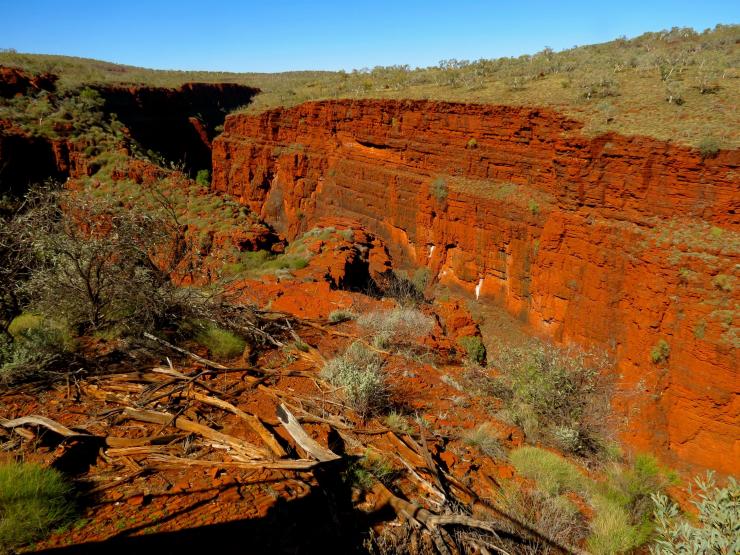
(178, 124)
(626, 243)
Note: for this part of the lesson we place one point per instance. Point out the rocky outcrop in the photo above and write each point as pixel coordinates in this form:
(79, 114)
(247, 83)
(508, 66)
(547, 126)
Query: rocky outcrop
(14, 81)
(178, 124)
(26, 159)
(627, 243)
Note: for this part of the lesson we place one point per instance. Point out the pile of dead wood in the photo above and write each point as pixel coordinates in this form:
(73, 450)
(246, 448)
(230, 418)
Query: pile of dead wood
(443, 516)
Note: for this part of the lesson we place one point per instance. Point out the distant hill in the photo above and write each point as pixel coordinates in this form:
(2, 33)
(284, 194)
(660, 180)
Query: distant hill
(677, 85)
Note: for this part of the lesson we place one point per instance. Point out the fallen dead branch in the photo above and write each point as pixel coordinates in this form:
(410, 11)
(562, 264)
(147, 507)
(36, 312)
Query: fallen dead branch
(197, 358)
(136, 450)
(240, 446)
(250, 419)
(35, 420)
(421, 517)
(179, 462)
(302, 439)
(116, 442)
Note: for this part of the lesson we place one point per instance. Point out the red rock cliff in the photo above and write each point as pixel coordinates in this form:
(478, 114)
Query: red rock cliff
(622, 242)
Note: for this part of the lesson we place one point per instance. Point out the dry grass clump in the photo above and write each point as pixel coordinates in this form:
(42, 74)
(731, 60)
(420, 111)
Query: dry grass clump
(358, 373)
(398, 326)
(485, 439)
(341, 315)
(557, 516)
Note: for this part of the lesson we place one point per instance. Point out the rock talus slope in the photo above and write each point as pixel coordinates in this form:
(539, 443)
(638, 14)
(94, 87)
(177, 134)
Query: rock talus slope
(626, 243)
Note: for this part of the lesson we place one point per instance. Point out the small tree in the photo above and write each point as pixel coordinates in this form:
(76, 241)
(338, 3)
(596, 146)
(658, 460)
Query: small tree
(94, 263)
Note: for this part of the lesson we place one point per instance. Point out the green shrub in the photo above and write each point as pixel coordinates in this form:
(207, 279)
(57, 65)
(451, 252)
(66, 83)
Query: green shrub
(625, 500)
(611, 531)
(264, 262)
(723, 282)
(600, 88)
(340, 315)
(485, 439)
(37, 342)
(557, 395)
(33, 500)
(421, 278)
(472, 143)
(474, 348)
(359, 374)
(220, 342)
(660, 352)
(439, 189)
(552, 473)
(363, 472)
(203, 177)
(718, 529)
(397, 423)
(708, 147)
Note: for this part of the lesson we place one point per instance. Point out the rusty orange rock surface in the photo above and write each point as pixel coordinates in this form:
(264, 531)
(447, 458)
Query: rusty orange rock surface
(618, 242)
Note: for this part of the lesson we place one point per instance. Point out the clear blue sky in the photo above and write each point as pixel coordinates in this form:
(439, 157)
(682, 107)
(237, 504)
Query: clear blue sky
(275, 35)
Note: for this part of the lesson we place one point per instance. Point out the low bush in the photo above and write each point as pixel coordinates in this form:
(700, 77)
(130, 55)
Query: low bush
(474, 349)
(398, 326)
(557, 516)
(203, 178)
(264, 262)
(621, 502)
(397, 423)
(421, 278)
(359, 374)
(36, 343)
(363, 472)
(485, 439)
(93, 266)
(556, 395)
(718, 527)
(553, 474)
(340, 315)
(660, 352)
(33, 500)
(220, 342)
(395, 285)
(438, 188)
(611, 530)
(708, 147)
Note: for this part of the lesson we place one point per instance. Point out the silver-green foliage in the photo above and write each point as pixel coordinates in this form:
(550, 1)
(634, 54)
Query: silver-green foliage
(718, 529)
(359, 374)
(557, 395)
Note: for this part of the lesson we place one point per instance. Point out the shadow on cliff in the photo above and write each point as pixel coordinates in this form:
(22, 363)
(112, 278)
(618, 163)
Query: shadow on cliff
(323, 521)
(177, 124)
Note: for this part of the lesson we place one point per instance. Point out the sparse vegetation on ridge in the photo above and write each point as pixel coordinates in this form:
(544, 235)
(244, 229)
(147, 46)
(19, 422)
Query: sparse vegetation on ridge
(648, 82)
